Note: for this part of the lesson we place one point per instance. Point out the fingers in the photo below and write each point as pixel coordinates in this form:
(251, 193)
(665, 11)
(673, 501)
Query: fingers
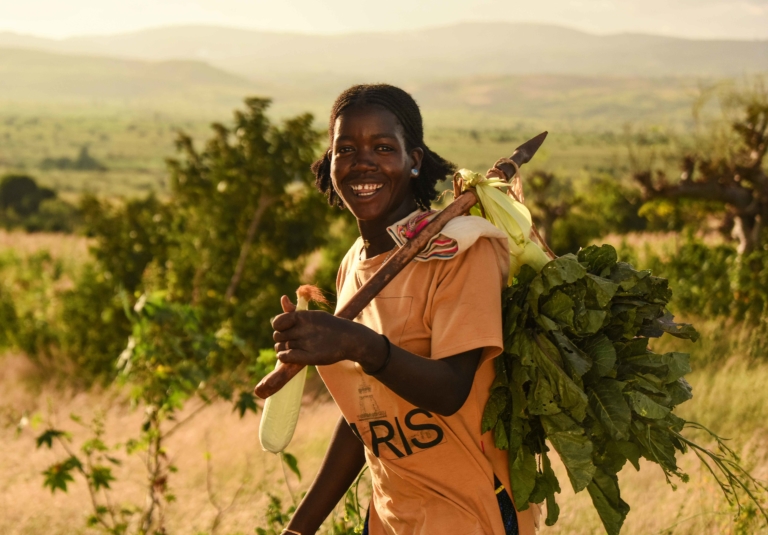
(283, 336)
(284, 321)
(285, 302)
(294, 356)
(286, 346)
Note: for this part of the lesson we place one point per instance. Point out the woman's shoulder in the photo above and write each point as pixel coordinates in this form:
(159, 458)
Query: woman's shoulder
(458, 236)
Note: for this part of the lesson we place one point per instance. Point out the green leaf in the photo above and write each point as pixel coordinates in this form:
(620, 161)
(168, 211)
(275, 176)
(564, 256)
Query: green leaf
(631, 452)
(599, 259)
(680, 330)
(522, 476)
(604, 490)
(603, 355)
(245, 402)
(546, 487)
(617, 453)
(679, 391)
(291, 463)
(535, 291)
(525, 276)
(656, 444)
(572, 397)
(626, 276)
(493, 408)
(646, 407)
(501, 379)
(602, 289)
(591, 321)
(541, 398)
(647, 382)
(612, 411)
(553, 510)
(678, 365)
(94, 444)
(48, 436)
(576, 360)
(500, 436)
(547, 324)
(562, 270)
(573, 446)
(57, 476)
(559, 307)
(101, 476)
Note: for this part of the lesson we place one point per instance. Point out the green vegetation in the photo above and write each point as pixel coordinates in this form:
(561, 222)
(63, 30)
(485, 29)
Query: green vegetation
(188, 258)
(578, 374)
(24, 204)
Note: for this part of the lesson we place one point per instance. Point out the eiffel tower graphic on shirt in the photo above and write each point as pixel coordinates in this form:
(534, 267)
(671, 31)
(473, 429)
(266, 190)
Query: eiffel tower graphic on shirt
(369, 409)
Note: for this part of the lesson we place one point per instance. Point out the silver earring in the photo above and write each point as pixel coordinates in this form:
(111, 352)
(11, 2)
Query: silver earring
(415, 172)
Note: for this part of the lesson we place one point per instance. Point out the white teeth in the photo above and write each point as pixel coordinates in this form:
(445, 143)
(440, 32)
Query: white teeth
(366, 189)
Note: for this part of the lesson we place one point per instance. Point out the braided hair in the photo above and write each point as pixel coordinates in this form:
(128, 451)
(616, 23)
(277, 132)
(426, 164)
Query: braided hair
(393, 99)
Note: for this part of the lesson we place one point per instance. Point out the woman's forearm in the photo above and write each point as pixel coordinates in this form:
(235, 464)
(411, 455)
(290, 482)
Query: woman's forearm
(440, 385)
(342, 464)
(318, 338)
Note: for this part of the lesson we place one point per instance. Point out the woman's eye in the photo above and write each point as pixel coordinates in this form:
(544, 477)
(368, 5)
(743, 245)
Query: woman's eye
(342, 150)
(385, 148)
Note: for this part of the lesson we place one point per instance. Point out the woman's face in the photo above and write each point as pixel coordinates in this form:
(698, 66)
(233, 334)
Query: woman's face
(370, 166)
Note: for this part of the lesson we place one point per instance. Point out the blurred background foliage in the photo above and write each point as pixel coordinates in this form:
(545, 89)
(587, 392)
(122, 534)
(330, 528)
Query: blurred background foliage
(241, 226)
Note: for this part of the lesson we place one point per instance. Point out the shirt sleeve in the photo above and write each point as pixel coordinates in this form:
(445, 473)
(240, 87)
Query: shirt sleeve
(466, 307)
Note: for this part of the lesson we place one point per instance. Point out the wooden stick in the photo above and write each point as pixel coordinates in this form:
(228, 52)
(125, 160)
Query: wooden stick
(284, 372)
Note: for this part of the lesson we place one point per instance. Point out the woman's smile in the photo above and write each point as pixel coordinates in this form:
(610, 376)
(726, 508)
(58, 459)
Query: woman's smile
(365, 190)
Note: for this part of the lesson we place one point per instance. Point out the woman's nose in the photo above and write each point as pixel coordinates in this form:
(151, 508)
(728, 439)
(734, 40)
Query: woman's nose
(364, 161)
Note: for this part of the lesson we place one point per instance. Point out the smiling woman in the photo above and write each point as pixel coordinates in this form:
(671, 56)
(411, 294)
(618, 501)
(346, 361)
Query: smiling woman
(413, 372)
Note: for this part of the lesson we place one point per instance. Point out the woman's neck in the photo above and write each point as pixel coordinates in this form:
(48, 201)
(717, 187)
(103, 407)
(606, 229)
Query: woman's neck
(374, 233)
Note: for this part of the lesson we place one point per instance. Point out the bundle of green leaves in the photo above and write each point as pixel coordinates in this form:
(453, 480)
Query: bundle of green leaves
(577, 371)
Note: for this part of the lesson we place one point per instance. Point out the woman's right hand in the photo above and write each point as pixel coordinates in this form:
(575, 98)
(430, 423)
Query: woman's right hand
(317, 338)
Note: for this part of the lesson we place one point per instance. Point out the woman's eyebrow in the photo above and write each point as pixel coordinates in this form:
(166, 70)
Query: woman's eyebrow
(374, 136)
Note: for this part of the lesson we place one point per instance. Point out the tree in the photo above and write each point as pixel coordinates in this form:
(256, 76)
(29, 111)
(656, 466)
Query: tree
(731, 173)
(21, 194)
(552, 199)
(246, 216)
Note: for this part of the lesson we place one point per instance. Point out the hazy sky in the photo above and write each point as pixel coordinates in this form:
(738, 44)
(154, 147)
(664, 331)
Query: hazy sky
(737, 19)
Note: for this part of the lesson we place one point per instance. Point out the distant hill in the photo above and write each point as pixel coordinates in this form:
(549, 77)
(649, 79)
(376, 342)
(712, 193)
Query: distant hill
(494, 49)
(29, 76)
(193, 88)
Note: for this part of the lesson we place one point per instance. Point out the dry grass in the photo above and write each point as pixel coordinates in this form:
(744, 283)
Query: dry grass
(67, 247)
(236, 460)
(730, 399)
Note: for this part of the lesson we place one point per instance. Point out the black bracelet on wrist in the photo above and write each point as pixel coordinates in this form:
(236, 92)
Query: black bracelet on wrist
(386, 359)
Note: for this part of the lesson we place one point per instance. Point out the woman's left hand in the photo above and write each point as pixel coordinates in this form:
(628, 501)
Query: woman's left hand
(314, 337)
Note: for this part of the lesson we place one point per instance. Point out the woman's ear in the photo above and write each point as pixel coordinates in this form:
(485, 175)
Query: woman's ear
(417, 156)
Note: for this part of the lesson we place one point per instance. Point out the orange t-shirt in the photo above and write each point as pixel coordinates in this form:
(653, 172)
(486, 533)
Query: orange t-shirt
(431, 474)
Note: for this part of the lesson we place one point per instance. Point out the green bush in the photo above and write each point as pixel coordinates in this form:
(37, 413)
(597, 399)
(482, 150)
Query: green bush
(25, 205)
(714, 282)
(604, 206)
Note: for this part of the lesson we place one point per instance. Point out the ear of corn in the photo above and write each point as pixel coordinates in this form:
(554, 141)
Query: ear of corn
(281, 413)
(281, 410)
(509, 216)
